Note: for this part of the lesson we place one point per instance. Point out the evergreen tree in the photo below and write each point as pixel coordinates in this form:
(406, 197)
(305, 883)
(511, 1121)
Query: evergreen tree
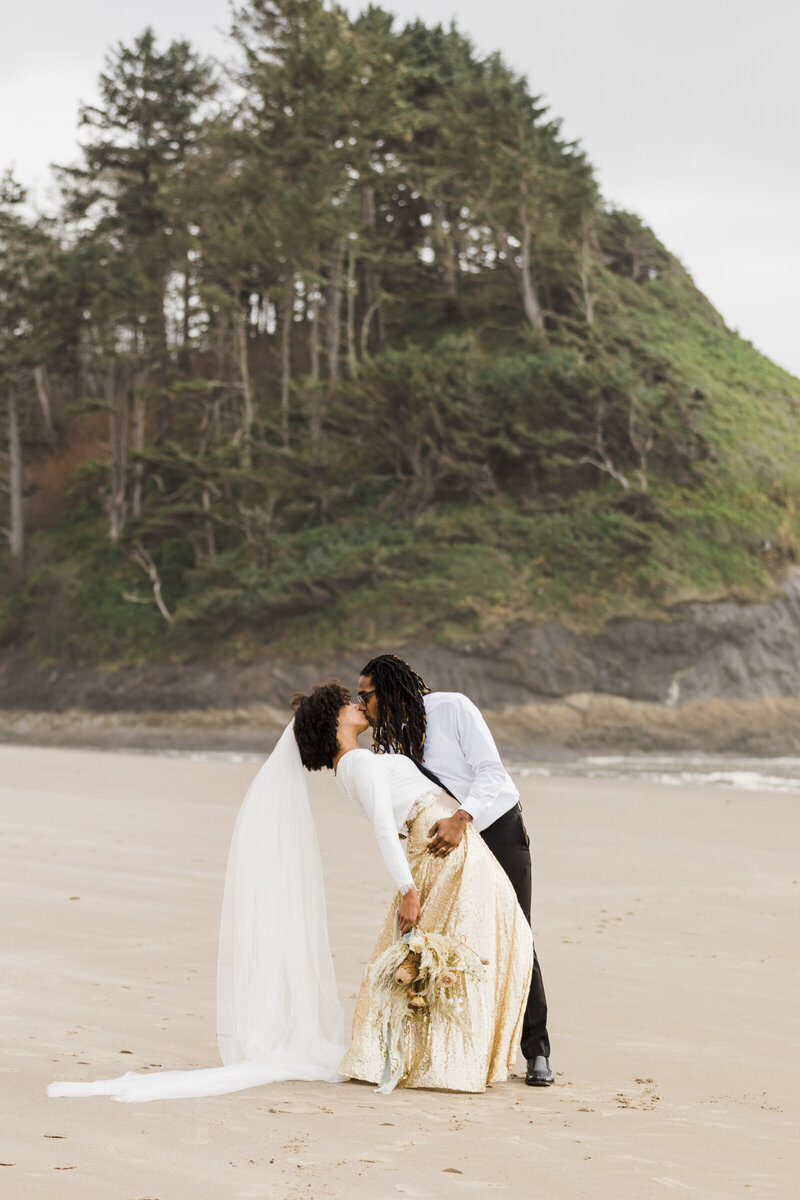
(25, 255)
(365, 324)
(138, 141)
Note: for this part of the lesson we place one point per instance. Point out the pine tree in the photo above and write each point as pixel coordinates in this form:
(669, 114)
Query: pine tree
(25, 249)
(138, 141)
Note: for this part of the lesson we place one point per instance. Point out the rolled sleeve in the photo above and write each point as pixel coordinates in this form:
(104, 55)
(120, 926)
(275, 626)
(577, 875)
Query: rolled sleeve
(480, 752)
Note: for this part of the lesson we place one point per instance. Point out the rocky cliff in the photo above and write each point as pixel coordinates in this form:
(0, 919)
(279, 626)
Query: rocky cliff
(721, 676)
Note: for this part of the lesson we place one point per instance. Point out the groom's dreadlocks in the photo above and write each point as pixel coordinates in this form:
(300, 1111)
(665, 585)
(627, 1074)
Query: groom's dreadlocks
(401, 723)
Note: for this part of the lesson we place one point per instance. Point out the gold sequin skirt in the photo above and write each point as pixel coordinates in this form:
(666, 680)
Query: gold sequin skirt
(468, 896)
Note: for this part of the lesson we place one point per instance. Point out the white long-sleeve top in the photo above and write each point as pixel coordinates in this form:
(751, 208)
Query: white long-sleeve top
(460, 751)
(384, 787)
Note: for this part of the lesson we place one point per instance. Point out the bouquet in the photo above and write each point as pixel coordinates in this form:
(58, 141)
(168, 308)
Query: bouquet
(424, 974)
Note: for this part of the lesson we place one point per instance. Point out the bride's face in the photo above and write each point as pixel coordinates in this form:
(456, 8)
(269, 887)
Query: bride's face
(351, 720)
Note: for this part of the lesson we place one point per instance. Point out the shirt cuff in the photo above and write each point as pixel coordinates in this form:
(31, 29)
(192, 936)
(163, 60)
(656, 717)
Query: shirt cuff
(472, 806)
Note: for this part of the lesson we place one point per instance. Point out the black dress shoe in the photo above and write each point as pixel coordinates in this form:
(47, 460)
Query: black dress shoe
(539, 1073)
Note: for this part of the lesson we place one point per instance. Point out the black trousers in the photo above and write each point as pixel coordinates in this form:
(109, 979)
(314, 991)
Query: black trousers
(508, 841)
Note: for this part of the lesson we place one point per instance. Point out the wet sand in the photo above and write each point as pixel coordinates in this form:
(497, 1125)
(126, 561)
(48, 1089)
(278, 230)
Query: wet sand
(665, 920)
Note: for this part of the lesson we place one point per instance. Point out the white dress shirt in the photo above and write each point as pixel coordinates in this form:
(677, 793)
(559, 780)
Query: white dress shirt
(460, 750)
(384, 787)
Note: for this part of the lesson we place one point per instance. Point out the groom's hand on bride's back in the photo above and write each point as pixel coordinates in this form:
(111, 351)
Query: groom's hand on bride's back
(445, 835)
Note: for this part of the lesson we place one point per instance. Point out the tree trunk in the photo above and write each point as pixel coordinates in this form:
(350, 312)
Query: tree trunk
(117, 405)
(366, 325)
(585, 275)
(372, 279)
(16, 524)
(186, 330)
(530, 301)
(519, 262)
(211, 545)
(44, 402)
(352, 357)
(334, 310)
(161, 362)
(445, 246)
(139, 404)
(287, 312)
(242, 346)
(314, 340)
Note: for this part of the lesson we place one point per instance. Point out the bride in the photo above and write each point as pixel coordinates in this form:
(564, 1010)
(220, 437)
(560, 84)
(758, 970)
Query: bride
(278, 1014)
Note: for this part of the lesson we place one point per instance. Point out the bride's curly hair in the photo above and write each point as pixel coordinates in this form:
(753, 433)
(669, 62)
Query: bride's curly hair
(315, 716)
(399, 690)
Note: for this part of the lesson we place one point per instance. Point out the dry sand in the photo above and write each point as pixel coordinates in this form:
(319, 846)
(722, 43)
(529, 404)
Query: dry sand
(666, 922)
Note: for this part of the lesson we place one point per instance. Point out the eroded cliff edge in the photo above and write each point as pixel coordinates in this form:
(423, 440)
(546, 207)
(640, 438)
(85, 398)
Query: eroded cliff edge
(719, 677)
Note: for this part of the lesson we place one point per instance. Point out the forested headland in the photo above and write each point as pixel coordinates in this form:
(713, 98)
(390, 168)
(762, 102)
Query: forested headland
(342, 346)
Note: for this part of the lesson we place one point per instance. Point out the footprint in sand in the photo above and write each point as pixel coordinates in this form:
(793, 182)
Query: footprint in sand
(298, 1108)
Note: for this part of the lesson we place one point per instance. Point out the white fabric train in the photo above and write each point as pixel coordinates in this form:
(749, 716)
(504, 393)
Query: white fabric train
(278, 1012)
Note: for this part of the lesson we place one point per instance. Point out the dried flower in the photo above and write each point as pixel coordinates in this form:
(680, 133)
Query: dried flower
(408, 970)
(408, 981)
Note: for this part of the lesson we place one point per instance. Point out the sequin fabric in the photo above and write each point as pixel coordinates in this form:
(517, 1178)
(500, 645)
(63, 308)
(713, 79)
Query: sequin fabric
(468, 896)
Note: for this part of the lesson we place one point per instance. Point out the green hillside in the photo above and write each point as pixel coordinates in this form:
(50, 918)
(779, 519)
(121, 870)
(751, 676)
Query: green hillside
(349, 349)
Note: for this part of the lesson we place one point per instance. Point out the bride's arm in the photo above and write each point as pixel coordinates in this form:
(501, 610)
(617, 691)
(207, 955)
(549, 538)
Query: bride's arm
(372, 793)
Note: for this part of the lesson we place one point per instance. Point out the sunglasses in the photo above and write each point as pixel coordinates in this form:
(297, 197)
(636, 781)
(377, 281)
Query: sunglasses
(364, 696)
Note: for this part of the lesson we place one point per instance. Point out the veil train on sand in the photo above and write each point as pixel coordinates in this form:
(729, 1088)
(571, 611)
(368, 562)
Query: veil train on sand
(278, 1012)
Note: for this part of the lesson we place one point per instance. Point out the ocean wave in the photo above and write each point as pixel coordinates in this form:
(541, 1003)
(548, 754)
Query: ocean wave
(737, 773)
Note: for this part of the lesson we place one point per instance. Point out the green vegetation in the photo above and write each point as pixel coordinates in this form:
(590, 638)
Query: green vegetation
(359, 354)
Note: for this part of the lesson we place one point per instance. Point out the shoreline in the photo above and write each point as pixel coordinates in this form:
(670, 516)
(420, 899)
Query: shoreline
(583, 723)
(653, 768)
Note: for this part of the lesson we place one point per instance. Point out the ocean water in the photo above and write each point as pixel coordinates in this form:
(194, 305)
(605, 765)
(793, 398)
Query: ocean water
(718, 770)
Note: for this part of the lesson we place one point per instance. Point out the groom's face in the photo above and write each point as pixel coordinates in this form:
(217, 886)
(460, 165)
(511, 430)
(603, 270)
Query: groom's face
(367, 700)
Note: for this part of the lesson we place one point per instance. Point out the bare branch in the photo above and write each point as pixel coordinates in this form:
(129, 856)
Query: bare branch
(601, 459)
(144, 560)
(642, 439)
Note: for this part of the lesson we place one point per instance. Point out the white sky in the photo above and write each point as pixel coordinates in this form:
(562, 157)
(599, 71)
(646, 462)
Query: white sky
(688, 110)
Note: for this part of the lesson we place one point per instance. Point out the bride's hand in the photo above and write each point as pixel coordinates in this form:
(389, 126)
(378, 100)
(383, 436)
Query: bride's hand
(408, 910)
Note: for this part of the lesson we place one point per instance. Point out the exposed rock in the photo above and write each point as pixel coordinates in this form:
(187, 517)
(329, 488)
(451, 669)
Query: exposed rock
(728, 650)
(652, 682)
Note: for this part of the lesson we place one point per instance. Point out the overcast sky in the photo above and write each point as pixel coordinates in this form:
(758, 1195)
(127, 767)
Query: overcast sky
(688, 110)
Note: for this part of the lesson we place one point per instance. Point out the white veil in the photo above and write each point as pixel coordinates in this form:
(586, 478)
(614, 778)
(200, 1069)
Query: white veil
(278, 1013)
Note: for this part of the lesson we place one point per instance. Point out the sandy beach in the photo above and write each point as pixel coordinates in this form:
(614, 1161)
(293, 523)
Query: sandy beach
(666, 924)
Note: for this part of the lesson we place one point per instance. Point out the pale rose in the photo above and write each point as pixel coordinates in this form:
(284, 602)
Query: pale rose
(447, 980)
(417, 943)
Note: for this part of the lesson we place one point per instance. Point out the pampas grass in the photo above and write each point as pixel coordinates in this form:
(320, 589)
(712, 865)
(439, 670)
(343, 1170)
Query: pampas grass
(437, 966)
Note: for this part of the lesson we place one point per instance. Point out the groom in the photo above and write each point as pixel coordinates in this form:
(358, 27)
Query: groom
(449, 740)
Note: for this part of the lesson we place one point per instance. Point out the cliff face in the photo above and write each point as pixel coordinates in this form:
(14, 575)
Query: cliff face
(723, 651)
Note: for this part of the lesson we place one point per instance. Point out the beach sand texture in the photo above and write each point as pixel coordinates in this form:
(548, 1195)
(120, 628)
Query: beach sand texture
(666, 923)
